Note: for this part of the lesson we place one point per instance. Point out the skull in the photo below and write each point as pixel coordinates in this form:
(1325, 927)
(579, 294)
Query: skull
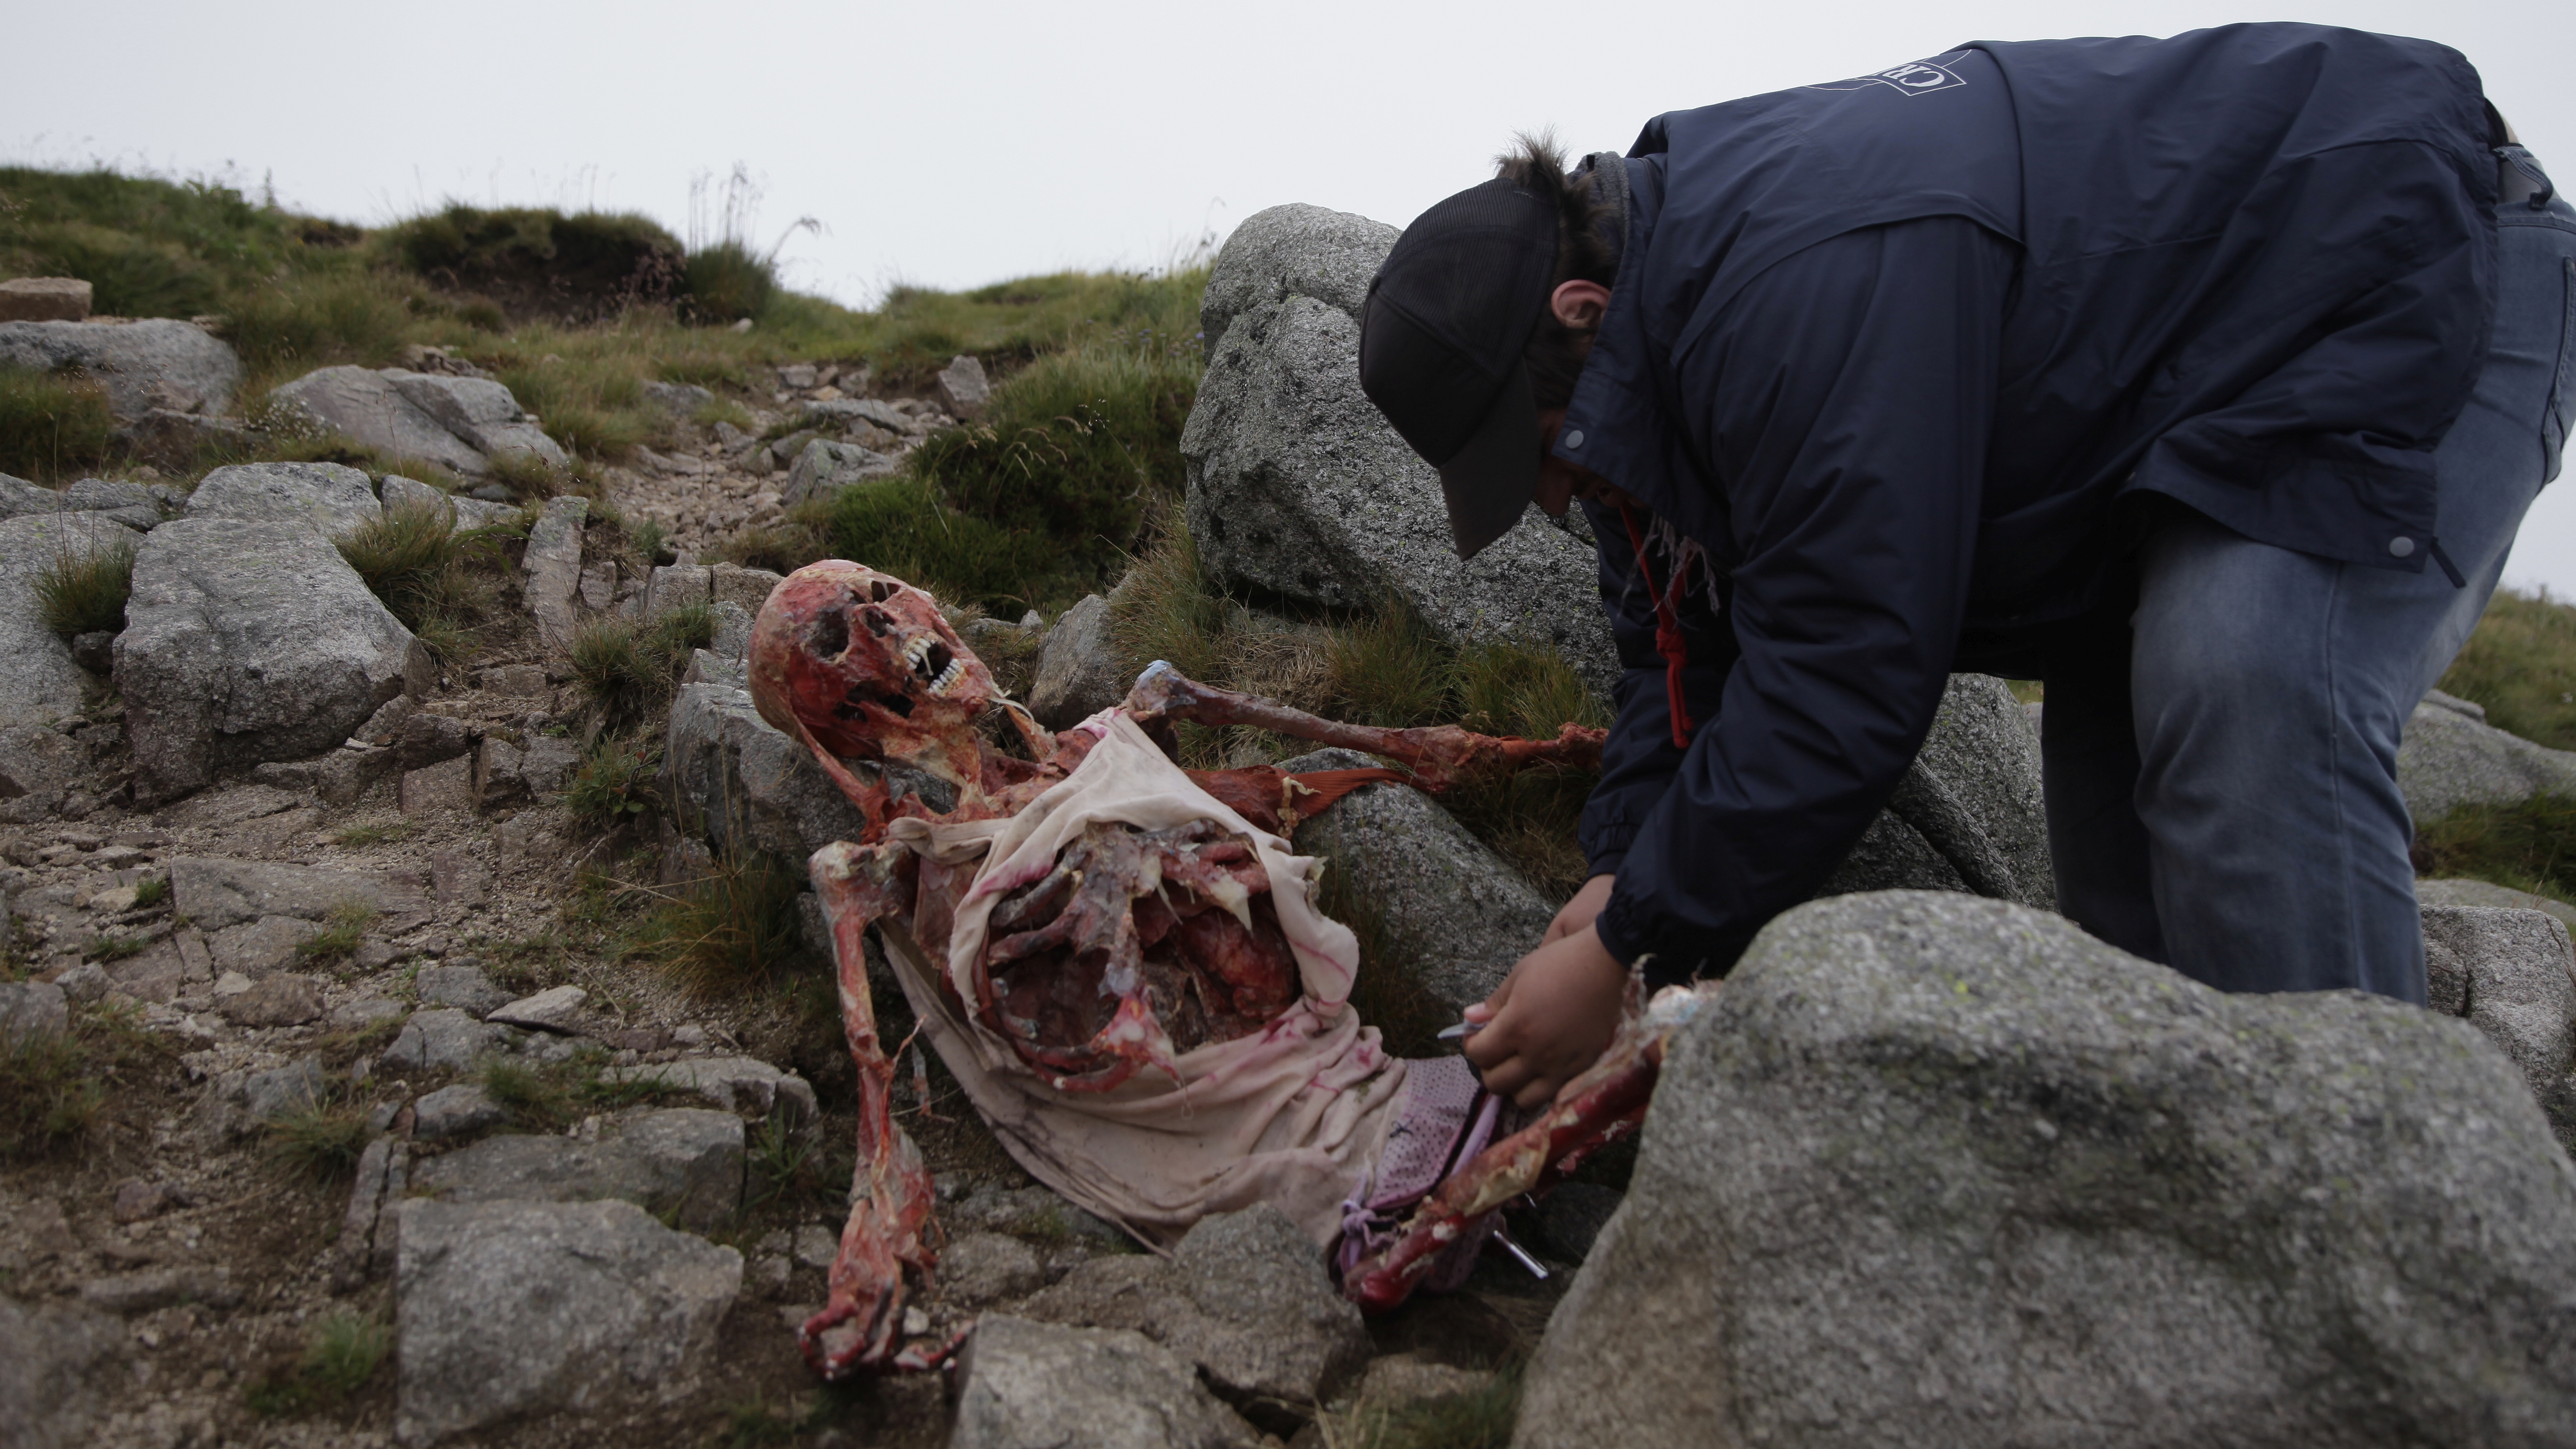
(869, 667)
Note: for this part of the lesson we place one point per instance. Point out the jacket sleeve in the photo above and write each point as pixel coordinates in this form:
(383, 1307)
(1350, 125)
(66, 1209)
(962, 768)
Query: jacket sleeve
(1843, 403)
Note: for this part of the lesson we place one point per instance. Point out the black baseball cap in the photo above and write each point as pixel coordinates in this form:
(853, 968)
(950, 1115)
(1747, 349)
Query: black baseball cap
(1441, 337)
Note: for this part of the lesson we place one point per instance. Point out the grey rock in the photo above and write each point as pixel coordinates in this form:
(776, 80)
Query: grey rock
(2484, 893)
(982, 1268)
(366, 1011)
(215, 893)
(250, 641)
(2449, 759)
(737, 1084)
(1934, 1170)
(1401, 1378)
(2513, 975)
(366, 408)
(147, 1289)
(102, 495)
(45, 299)
(37, 759)
(680, 1163)
(18, 496)
(385, 725)
(507, 1310)
(532, 768)
(479, 411)
(1293, 251)
(524, 681)
(748, 589)
(367, 1230)
(1447, 905)
(825, 467)
(337, 778)
(673, 586)
(428, 739)
(56, 1364)
(741, 784)
(680, 399)
(448, 785)
(129, 359)
(962, 388)
(457, 1111)
(1244, 1296)
(468, 513)
(463, 987)
(1024, 1385)
(334, 500)
(1892, 856)
(553, 1009)
(1973, 793)
(299, 1086)
(550, 570)
(282, 999)
(84, 983)
(732, 641)
(40, 681)
(1080, 670)
(1299, 488)
(258, 948)
(180, 440)
(32, 1009)
(443, 1039)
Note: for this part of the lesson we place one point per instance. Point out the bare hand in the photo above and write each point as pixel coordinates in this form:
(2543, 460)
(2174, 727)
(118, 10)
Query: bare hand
(1580, 912)
(1549, 1020)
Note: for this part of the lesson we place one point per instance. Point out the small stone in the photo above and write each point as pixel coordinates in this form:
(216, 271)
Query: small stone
(84, 983)
(982, 1268)
(31, 1009)
(114, 901)
(680, 1162)
(364, 1012)
(298, 1086)
(553, 1009)
(44, 299)
(137, 1200)
(962, 388)
(442, 1040)
(455, 1111)
(458, 879)
(1024, 1385)
(816, 1246)
(445, 786)
(152, 1288)
(459, 984)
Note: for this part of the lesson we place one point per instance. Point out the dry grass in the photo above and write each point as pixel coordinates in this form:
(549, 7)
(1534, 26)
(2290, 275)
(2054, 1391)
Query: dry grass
(84, 591)
(2521, 664)
(732, 932)
(1481, 1419)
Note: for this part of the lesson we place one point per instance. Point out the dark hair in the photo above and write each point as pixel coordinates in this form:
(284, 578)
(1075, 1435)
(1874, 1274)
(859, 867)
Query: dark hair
(1584, 252)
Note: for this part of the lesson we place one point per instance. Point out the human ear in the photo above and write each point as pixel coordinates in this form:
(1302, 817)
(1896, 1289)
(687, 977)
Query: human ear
(1579, 304)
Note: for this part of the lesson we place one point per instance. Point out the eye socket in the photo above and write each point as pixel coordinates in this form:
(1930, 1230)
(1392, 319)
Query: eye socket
(875, 620)
(830, 634)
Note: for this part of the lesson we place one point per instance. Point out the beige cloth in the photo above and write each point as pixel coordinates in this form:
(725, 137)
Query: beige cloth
(1293, 1115)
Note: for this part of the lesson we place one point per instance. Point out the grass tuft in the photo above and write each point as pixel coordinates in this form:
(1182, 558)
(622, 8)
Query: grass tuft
(729, 933)
(342, 1352)
(49, 1094)
(52, 424)
(151, 891)
(1480, 1419)
(321, 1143)
(548, 1095)
(2521, 664)
(628, 672)
(615, 781)
(343, 928)
(85, 592)
(2527, 846)
(371, 834)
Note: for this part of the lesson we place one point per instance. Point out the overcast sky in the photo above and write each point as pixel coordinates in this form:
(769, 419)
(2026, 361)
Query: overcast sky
(960, 143)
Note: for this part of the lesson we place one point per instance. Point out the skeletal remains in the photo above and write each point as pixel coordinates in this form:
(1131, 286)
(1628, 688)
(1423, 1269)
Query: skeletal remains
(1122, 963)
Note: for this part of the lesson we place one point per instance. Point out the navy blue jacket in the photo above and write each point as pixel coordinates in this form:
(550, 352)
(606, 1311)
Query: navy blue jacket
(1894, 350)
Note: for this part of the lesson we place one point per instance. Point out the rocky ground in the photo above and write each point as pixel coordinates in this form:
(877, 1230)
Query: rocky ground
(396, 1140)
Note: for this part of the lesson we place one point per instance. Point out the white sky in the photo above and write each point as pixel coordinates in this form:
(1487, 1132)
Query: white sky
(954, 144)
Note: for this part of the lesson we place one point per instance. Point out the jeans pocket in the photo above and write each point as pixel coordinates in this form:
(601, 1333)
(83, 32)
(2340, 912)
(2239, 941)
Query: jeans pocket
(2561, 414)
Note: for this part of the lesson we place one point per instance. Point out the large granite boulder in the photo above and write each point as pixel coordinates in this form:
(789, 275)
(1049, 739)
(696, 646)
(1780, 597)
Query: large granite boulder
(1299, 488)
(506, 1310)
(2452, 757)
(480, 412)
(824, 467)
(334, 499)
(682, 1164)
(1458, 915)
(143, 365)
(2512, 974)
(1080, 669)
(1293, 251)
(40, 682)
(1968, 814)
(1933, 1170)
(1024, 1385)
(743, 787)
(364, 406)
(249, 641)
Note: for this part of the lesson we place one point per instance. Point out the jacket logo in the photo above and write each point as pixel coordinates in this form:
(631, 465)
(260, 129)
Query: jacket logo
(1914, 78)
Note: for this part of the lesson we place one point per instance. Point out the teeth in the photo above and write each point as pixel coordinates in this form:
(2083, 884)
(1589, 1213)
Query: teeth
(948, 676)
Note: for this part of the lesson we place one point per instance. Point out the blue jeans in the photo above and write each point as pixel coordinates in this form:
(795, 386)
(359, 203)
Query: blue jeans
(2222, 775)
